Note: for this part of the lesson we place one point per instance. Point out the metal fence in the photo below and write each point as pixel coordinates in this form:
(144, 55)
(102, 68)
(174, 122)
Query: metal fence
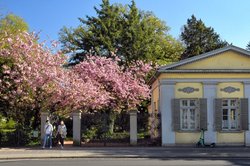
(16, 137)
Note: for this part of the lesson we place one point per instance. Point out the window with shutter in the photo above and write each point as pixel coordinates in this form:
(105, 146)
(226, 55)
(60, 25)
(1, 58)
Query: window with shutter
(218, 114)
(176, 114)
(230, 114)
(189, 114)
(244, 113)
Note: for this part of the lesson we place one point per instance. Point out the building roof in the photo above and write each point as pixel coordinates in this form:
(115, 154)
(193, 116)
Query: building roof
(205, 55)
(172, 67)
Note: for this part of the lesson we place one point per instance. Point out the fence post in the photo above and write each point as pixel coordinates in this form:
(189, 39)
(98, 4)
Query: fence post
(44, 117)
(77, 128)
(133, 127)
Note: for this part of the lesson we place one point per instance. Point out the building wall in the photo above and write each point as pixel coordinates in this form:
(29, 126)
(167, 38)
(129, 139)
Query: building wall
(226, 60)
(187, 137)
(230, 138)
(204, 75)
(154, 110)
(155, 96)
(193, 137)
(223, 137)
(196, 94)
(237, 94)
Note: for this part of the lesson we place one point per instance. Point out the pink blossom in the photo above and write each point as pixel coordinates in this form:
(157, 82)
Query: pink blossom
(95, 83)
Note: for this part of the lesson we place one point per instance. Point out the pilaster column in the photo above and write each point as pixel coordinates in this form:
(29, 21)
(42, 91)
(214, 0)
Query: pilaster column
(247, 95)
(44, 116)
(133, 127)
(167, 93)
(77, 128)
(210, 93)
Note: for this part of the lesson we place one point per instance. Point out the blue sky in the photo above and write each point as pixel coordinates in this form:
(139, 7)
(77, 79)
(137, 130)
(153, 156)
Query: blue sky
(229, 18)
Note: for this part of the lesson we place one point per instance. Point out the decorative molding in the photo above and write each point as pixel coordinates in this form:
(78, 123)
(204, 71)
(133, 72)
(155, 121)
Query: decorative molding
(170, 81)
(188, 90)
(206, 71)
(230, 89)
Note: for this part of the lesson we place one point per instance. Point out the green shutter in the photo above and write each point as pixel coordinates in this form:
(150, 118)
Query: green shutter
(203, 113)
(244, 113)
(218, 114)
(176, 114)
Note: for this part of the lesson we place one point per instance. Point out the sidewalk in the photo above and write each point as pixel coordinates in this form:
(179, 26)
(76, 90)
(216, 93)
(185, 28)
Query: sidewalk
(125, 152)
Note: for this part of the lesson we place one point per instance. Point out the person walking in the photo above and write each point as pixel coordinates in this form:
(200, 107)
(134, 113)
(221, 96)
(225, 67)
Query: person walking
(48, 129)
(61, 133)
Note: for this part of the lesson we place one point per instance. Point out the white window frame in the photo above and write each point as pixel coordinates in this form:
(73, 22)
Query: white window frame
(233, 121)
(188, 107)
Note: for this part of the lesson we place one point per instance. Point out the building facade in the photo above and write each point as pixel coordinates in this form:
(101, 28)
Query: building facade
(210, 91)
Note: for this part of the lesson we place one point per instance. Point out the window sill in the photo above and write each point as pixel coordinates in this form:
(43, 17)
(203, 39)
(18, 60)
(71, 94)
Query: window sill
(231, 131)
(188, 131)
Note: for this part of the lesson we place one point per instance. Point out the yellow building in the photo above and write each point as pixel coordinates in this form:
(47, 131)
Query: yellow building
(209, 91)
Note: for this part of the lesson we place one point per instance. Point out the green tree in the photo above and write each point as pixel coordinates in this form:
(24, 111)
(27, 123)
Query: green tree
(198, 38)
(12, 24)
(130, 33)
(248, 46)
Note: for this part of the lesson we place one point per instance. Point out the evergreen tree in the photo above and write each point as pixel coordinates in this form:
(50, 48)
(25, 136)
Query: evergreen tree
(130, 33)
(199, 39)
(248, 46)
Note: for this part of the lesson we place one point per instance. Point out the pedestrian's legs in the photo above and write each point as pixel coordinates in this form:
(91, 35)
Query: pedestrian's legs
(62, 141)
(50, 140)
(45, 140)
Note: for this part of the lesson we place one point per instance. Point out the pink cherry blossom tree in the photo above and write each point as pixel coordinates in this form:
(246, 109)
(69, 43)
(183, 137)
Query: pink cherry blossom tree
(34, 77)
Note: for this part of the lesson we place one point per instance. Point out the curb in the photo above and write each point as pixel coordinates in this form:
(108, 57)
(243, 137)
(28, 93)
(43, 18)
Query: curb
(128, 157)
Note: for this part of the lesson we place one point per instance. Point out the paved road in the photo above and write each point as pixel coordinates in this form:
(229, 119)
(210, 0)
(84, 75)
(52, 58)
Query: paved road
(124, 162)
(125, 152)
(129, 152)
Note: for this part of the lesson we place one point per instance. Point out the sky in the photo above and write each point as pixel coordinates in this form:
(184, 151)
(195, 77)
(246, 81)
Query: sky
(229, 18)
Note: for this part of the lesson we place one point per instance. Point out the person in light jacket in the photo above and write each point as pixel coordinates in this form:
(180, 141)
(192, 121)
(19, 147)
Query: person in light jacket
(61, 133)
(48, 129)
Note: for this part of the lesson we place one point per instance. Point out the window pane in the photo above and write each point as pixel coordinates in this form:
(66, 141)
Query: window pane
(225, 124)
(233, 103)
(192, 103)
(192, 119)
(233, 124)
(184, 119)
(225, 111)
(192, 115)
(230, 114)
(233, 114)
(192, 125)
(184, 102)
(188, 114)
(224, 102)
(225, 117)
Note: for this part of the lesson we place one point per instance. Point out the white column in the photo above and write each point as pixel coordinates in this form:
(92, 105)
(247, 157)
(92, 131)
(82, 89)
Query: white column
(247, 95)
(166, 95)
(210, 90)
(133, 127)
(44, 116)
(77, 128)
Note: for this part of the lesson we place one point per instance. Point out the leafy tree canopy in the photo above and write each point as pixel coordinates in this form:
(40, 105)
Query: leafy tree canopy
(130, 33)
(248, 46)
(12, 24)
(198, 38)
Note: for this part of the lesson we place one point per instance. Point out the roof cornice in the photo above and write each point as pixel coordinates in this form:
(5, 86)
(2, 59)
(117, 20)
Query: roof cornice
(203, 56)
(206, 71)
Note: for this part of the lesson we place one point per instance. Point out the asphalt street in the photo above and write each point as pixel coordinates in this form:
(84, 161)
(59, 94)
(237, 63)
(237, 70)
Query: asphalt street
(125, 162)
